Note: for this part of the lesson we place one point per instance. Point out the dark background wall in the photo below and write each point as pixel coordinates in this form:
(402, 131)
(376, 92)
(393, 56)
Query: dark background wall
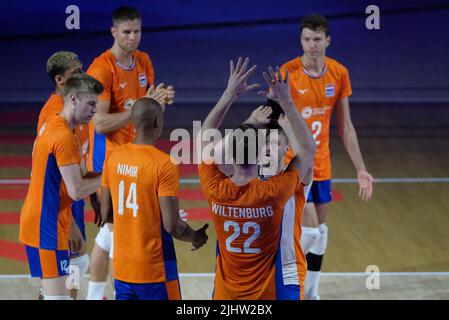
(191, 43)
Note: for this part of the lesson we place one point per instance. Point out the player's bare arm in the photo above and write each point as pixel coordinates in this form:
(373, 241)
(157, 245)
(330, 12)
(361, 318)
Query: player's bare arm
(279, 91)
(107, 213)
(179, 229)
(76, 241)
(237, 85)
(349, 137)
(105, 122)
(77, 186)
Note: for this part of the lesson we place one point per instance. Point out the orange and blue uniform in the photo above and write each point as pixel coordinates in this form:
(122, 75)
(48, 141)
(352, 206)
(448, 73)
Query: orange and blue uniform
(122, 86)
(46, 213)
(54, 105)
(144, 253)
(315, 97)
(249, 223)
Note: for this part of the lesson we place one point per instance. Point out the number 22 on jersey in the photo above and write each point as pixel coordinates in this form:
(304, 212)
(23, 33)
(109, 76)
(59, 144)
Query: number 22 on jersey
(131, 199)
(236, 228)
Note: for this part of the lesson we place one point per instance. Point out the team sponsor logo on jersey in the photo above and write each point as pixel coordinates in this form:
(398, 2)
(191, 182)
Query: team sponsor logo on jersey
(143, 80)
(307, 112)
(128, 104)
(330, 90)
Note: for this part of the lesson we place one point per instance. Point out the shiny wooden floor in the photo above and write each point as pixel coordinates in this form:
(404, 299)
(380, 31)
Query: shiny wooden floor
(402, 229)
(332, 287)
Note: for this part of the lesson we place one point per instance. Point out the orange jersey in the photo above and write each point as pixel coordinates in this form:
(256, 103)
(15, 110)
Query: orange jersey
(54, 105)
(294, 265)
(248, 224)
(137, 175)
(122, 86)
(46, 214)
(315, 98)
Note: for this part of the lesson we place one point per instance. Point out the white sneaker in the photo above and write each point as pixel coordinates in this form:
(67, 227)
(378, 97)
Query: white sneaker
(316, 298)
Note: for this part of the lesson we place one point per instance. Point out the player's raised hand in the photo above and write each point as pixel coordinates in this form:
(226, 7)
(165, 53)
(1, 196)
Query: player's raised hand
(262, 114)
(365, 185)
(278, 87)
(237, 83)
(200, 237)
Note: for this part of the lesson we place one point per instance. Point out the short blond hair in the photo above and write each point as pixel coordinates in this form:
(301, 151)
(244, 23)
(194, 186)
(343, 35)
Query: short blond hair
(82, 84)
(59, 62)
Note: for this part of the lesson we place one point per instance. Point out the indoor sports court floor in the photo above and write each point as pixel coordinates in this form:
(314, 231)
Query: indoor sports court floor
(402, 230)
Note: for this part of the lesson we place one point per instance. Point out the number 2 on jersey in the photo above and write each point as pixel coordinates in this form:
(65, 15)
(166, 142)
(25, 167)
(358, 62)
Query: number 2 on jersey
(131, 200)
(235, 235)
(316, 130)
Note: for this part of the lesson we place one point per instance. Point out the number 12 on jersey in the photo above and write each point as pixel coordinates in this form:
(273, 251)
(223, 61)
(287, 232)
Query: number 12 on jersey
(131, 199)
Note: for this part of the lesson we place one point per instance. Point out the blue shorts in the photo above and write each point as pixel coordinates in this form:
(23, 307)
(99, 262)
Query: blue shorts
(320, 192)
(147, 291)
(45, 263)
(288, 292)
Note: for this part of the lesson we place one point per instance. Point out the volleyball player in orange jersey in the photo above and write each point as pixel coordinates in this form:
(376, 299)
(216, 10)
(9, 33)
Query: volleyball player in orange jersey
(56, 181)
(319, 85)
(248, 212)
(139, 191)
(61, 66)
(126, 74)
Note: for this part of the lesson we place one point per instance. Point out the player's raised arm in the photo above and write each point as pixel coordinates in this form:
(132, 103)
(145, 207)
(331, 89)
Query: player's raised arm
(279, 91)
(179, 229)
(237, 85)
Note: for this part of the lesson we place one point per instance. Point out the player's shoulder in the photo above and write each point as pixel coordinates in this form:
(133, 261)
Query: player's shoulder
(292, 65)
(55, 129)
(334, 65)
(103, 61)
(142, 56)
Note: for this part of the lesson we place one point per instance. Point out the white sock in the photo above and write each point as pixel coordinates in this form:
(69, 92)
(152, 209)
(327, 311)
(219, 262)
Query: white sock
(48, 297)
(96, 290)
(309, 237)
(311, 285)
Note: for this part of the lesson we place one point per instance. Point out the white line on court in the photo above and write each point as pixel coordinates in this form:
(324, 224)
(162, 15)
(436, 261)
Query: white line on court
(337, 180)
(324, 274)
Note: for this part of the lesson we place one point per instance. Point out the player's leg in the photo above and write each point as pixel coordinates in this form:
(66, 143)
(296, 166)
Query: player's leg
(316, 253)
(99, 264)
(309, 224)
(79, 260)
(52, 266)
(111, 256)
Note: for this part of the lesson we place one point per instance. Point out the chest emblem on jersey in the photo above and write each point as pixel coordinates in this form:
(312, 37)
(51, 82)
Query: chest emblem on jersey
(306, 112)
(330, 90)
(143, 80)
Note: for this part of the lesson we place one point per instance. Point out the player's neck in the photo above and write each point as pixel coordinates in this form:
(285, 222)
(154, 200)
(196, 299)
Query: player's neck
(149, 140)
(314, 66)
(243, 176)
(123, 57)
(68, 118)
